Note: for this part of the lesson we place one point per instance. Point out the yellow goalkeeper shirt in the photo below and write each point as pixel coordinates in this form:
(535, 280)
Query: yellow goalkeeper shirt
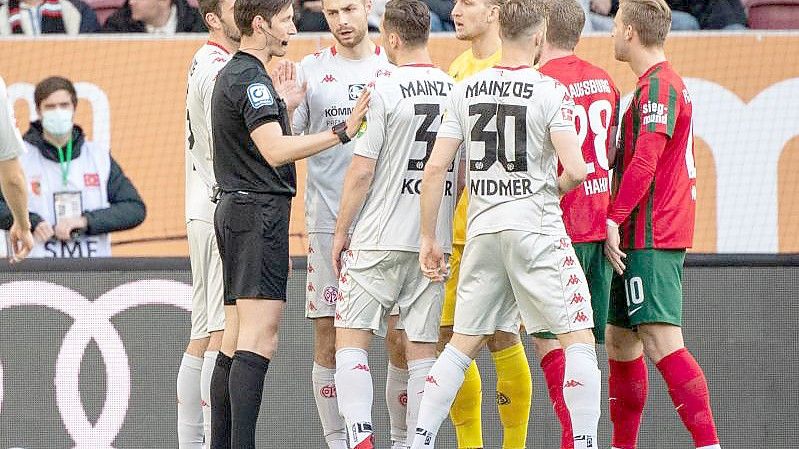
(461, 68)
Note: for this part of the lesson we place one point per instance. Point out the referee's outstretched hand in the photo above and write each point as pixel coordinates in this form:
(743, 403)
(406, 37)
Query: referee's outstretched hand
(284, 78)
(355, 120)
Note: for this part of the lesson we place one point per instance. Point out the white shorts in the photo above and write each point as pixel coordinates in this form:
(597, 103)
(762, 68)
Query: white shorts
(374, 282)
(321, 289)
(207, 312)
(540, 271)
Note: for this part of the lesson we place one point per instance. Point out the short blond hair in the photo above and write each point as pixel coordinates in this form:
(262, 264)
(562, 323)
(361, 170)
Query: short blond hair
(651, 19)
(518, 18)
(565, 21)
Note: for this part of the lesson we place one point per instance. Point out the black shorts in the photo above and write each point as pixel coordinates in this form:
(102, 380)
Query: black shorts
(252, 231)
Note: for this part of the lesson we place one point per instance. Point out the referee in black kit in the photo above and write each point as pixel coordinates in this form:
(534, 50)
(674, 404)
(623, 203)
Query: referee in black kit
(253, 162)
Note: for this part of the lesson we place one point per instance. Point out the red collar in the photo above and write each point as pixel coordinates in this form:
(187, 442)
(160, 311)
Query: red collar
(417, 65)
(333, 50)
(218, 46)
(512, 68)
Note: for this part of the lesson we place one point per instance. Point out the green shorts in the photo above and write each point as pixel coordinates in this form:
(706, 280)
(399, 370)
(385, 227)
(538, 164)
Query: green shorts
(598, 273)
(650, 291)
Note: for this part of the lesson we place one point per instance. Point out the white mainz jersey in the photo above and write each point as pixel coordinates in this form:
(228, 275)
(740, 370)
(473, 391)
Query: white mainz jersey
(404, 114)
(205, 66)
(334, 83)
(505, 117)
(10, 140)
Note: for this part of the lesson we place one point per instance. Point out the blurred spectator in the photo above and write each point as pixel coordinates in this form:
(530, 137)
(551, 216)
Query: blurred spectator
(35, 17)
(712, 14)
(155, 17)
(376, 14)
(77, 194)
(309, 16)
(441, 15)
(686, 15)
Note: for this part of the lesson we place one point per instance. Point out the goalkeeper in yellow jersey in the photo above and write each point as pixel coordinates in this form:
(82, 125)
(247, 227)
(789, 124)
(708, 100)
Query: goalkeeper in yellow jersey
(477, 21)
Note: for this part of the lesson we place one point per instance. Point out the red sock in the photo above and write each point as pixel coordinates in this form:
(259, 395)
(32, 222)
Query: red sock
(628, 385)
(554, 364)
(689, 393)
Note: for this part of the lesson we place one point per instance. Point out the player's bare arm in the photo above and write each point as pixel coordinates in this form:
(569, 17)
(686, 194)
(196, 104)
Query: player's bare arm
(356, 186)
(278, 149)
(13, 186)
(571, 158)
(431, 256)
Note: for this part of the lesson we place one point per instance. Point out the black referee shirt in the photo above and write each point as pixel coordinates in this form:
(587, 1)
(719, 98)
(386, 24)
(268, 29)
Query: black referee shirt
(244, 99)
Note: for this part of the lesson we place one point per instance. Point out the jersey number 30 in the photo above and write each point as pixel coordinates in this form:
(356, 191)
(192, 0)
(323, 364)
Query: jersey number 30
(497, 143)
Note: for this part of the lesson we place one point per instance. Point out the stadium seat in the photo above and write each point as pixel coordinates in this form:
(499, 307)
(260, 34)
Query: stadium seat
(104, 8)
(773, 14)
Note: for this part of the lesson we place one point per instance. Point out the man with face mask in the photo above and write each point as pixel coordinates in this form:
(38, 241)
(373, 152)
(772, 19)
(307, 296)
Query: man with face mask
(77, 193)
(207, 316)
(334, 76)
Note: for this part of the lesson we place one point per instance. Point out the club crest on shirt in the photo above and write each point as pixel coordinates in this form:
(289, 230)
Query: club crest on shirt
(355, 91)
(259, 95)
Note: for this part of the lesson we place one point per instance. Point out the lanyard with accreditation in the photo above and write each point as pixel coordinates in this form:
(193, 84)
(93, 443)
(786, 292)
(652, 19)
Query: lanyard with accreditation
(67, 203)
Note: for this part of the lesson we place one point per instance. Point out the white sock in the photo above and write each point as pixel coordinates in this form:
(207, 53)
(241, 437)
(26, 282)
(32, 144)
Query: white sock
(712, 446)
(324, 386)
(209, 362)
(581, 393)
(355, 393)
(190, 412)
(441, 385)
(396, 400)
(417, 373)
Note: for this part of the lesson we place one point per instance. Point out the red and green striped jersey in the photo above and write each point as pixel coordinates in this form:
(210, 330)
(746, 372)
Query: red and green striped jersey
(596, 114)
(655, 188)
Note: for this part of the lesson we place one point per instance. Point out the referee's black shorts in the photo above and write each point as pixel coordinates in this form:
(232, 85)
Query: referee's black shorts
(252, 231)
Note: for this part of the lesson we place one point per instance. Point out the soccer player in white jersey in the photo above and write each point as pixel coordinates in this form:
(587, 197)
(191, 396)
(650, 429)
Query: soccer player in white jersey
(207, 315)
(380, 269)
(335, 77)
(516, 124)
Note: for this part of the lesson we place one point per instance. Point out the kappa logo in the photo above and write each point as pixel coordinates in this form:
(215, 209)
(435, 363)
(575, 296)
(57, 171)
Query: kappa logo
(573, 280)
(382, 72)
(361, 367)
(572, 384)
(431, 380)
(568, 261)
(338, 317)
(577, 299)
(328, 78)
(311, 268)
(328, 391)
(311, 288)
(580, 317)
(355, 91)
(310, 249)
(330, 294)
(564, 242)
(259, 95)
(311, 306)
(502, 399)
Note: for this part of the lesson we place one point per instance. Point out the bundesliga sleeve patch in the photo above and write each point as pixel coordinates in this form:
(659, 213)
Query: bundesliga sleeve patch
(259, 95)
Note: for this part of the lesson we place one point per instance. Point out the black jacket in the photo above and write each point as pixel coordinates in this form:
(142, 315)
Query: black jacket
(712, 14)
(121, 21)
(127, 208)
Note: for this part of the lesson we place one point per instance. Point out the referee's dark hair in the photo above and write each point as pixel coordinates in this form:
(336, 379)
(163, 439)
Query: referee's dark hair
(245, 11)
(410, 19)
(565, 20)
(50, 85)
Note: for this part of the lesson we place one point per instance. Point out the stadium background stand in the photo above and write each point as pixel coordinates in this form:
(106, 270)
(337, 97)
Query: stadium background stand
(773, 14)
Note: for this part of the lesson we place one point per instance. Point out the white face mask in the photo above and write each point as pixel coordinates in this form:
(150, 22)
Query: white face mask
(57, 122)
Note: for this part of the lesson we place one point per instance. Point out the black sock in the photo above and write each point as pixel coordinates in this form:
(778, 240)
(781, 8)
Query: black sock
(246, 388)
(220, 403)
